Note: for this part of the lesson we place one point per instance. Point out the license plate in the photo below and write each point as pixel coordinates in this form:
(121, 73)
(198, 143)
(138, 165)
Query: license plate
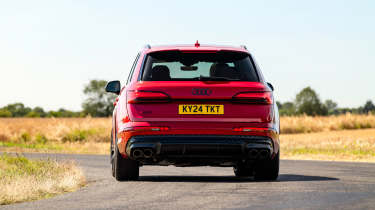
(200, 109)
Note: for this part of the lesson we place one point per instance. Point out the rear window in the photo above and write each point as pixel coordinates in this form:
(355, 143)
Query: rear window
(193, 66)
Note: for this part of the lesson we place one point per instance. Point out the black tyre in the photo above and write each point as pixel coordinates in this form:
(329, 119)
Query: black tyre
(124, 169)
(268, 170)
(111, 156)
(241, 170)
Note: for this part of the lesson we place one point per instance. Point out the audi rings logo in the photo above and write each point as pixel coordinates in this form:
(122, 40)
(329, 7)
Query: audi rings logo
(201, 91)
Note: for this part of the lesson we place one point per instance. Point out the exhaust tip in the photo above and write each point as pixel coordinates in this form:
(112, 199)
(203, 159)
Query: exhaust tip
(137, 154)
(253, 153)
(148, 153)
(264, 153)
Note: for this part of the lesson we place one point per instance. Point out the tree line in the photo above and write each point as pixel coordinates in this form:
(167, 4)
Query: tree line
(20, 110)
(98, 103)
(308, 102)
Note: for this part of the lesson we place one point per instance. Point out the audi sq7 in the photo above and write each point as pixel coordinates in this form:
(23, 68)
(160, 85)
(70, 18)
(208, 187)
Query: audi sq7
(195, 105)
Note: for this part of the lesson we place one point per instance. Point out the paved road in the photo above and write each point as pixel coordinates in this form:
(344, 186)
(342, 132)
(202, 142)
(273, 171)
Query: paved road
(301, 185)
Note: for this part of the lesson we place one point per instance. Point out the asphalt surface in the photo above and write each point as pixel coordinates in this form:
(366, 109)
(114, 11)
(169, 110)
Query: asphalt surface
(301, 185)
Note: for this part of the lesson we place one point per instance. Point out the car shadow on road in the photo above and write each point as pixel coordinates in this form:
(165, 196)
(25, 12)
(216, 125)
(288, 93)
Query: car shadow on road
(233, 179)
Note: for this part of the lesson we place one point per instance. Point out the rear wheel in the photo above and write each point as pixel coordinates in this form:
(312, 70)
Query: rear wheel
(268, 170)
(242, 170)
(111, 156)
(124, 169)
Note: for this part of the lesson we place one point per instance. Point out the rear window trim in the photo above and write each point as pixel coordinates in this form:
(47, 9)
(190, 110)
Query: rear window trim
(140, 75)
(131, 73)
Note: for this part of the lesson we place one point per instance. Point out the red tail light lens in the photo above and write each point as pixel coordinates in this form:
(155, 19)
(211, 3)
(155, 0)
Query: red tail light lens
(136, 97)
(254, 98)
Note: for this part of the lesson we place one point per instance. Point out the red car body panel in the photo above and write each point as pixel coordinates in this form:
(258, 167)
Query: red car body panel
(155, 119)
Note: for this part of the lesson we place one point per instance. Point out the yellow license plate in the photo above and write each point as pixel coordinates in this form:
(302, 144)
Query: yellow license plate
(200, 109)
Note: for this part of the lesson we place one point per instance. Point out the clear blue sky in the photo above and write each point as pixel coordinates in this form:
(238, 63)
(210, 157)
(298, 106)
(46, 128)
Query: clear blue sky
(50, 49)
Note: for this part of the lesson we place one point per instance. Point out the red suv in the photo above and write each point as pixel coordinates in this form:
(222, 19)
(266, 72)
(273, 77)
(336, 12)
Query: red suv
(193, 105)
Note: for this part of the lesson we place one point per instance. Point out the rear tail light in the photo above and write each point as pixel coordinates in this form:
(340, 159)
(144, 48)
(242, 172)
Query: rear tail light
(137, 97)
(254, 98)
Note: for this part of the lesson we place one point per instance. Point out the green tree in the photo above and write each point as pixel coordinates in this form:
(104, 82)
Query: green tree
(36, 112)
(53, 114)
(369, 107)
(64, 113)
(288, 109)
(307, 102)
(67, 113)
(39, 111)
(32, 114)
(18, 109)
(5, 113)
(98, 102)
(331, 106)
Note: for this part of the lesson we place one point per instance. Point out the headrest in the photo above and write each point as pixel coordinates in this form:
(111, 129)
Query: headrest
(223, 70)
(160, 73)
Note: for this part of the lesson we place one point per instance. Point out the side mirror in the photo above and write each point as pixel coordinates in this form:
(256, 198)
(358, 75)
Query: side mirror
(270, 85)
(113, 87)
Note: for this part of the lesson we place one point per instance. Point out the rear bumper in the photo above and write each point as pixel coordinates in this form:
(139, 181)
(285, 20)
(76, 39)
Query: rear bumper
(198, 149)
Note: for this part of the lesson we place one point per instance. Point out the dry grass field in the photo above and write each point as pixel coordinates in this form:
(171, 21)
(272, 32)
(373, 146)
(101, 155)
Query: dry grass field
(344, 145)
(308, 124)
(345, 137)
(55, 129)
(62, 135)
(22, 179)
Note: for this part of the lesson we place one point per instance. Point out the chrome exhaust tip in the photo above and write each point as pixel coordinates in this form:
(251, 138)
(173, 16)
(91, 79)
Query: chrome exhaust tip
(137, 153)
(148, 153)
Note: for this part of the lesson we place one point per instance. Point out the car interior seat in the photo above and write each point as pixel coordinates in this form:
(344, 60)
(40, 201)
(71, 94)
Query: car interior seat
(160, 73)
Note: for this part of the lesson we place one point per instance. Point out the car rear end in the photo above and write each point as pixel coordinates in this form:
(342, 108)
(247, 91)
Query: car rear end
(194, 106)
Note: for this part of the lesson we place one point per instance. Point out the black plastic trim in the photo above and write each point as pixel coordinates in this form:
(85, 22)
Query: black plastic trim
(199, 146)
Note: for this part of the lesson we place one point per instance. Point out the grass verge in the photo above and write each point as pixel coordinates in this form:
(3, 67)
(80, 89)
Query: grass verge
(346, 145)
(56, 147)
(22, 179)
